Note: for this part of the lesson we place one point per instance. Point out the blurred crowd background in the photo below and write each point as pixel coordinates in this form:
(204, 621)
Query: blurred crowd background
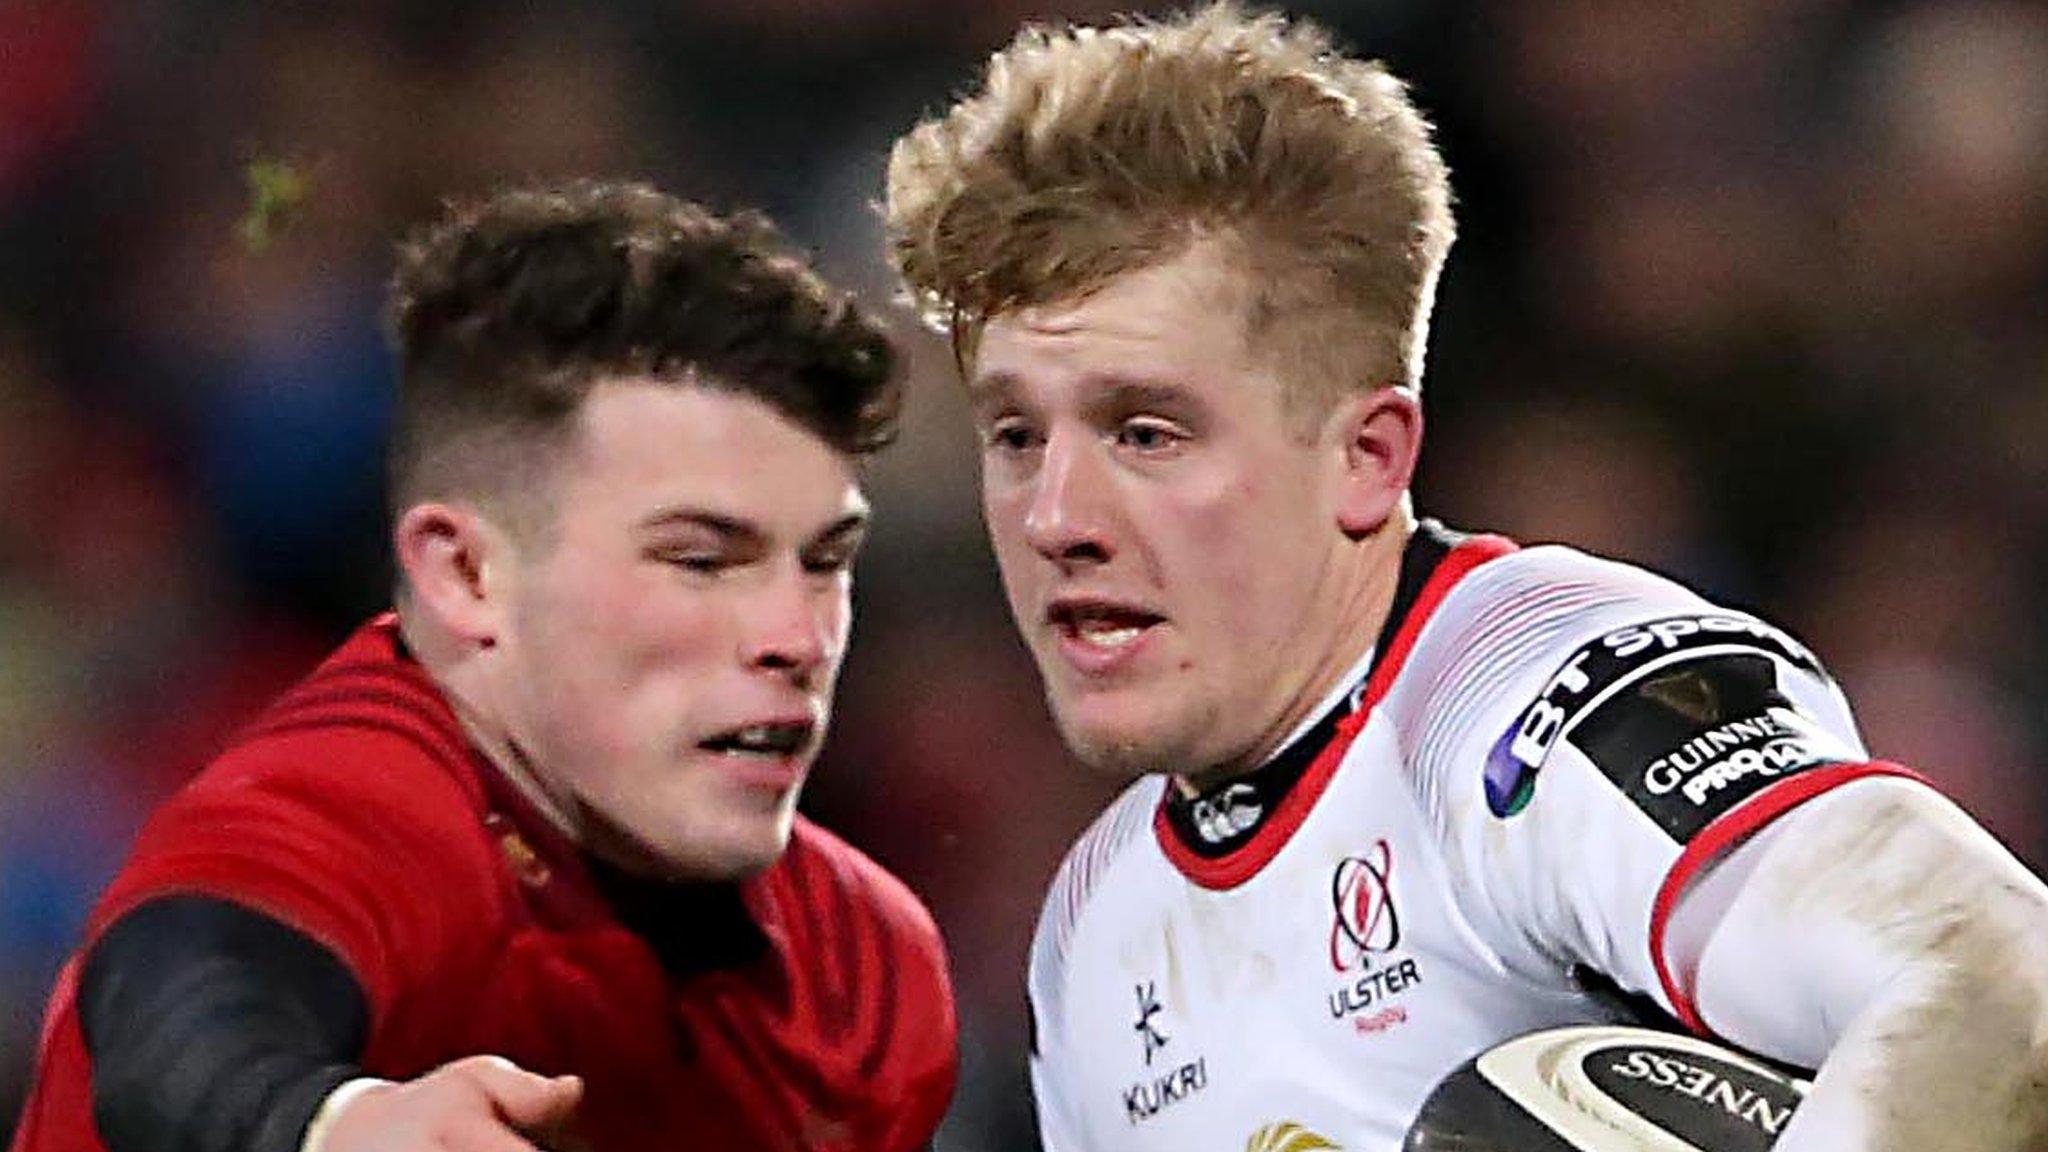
(1752, 291)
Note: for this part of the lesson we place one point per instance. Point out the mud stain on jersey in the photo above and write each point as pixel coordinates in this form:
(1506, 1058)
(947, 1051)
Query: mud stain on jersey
(1958, 922)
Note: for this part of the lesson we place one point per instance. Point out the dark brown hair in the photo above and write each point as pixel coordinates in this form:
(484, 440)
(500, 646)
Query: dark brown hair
(507, 311)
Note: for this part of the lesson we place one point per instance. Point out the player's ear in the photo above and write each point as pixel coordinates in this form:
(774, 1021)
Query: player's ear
(1378, 434)
(450, 554)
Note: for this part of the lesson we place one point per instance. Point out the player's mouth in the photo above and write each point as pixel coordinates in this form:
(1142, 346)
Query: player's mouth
(768, 753)
(1099, 636)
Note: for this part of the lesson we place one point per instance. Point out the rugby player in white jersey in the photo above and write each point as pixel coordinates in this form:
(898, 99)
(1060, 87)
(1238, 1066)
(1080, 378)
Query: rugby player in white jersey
(1399, 794)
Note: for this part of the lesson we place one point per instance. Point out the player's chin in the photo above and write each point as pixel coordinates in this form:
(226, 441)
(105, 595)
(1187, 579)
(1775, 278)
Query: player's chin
(1115, 738)
(755, 845)
(730, 846)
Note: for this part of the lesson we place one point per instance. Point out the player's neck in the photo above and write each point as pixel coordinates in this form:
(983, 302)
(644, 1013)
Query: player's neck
(517, 768)
(466, 688)
(1346, 635)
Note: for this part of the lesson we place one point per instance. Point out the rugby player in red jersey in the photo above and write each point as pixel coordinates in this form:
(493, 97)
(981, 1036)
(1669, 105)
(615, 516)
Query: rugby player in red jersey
(519, 867)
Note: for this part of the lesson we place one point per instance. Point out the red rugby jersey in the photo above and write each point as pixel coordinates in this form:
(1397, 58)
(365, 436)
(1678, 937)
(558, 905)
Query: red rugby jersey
(355, 811)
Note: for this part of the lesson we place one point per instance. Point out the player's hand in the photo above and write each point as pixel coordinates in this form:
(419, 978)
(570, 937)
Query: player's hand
(478, 1104)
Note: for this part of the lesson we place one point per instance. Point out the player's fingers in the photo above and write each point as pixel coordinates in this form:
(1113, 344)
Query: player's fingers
(558, 1135)
(488, 1136)
(549, 1109)
(525, 1099)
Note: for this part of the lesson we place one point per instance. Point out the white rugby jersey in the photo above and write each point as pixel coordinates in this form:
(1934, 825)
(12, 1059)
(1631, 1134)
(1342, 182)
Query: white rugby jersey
(1545, 748)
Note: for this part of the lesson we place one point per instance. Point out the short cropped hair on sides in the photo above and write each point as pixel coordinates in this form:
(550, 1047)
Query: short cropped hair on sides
(507, 311)
(1090, 153)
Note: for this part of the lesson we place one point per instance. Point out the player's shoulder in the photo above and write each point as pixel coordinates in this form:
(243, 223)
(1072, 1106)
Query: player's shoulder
(1505, 628)
(864, 952)
(362, 753)
(864, 942)
(1522, 613)
(1120, 830)
(1541, 585)
(1529, 643)
(347, 809)
(367, 720)
(1542, 606)
(821, 873)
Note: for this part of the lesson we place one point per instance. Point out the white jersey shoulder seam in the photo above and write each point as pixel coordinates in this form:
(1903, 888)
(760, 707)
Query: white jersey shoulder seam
(1124, 823)
(1509, 621)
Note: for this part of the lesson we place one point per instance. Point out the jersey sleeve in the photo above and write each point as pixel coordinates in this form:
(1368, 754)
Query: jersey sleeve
(265, 1023)
(356, 844)
(1586, 736)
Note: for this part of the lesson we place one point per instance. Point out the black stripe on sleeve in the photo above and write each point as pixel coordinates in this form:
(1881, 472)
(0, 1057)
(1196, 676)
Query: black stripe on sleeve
(214, 1028)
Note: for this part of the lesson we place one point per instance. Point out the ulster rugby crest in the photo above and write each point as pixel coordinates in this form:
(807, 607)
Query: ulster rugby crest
(1365, 942)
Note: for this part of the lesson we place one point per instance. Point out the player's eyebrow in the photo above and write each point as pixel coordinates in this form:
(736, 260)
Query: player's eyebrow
(988, 390)
(1107, 392)
(852, 525)
(733, 528)
(1118, 394)
(740, 531)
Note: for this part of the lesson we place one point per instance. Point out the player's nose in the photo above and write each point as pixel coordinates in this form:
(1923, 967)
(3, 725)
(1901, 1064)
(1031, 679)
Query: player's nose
(1068, 519)
(792, 625)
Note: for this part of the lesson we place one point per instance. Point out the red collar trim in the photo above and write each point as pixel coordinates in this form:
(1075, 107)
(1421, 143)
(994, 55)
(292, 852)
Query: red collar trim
(1229, 871)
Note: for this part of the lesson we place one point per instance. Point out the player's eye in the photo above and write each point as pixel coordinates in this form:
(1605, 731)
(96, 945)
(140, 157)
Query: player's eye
(696, 562)
(1009, 434)
(831, 561)
(1149, 434)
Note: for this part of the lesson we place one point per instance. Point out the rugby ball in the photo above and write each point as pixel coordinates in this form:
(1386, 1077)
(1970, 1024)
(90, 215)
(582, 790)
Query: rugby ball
(1605, 1088)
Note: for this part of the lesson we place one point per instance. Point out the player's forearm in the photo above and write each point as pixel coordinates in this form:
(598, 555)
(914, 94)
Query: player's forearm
(213, 1029)
(1953, 1060)
(1889, 931)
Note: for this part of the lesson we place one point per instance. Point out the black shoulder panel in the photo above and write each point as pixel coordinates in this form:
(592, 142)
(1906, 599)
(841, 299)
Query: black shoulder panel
(1690, 741)
(1656, 684)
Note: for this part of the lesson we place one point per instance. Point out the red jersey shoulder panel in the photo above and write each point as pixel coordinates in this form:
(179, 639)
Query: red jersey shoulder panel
(349, 810)
(872, 982)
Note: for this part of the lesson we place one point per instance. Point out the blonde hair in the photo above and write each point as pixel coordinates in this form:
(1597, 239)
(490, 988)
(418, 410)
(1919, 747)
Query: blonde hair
(1089, 153)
